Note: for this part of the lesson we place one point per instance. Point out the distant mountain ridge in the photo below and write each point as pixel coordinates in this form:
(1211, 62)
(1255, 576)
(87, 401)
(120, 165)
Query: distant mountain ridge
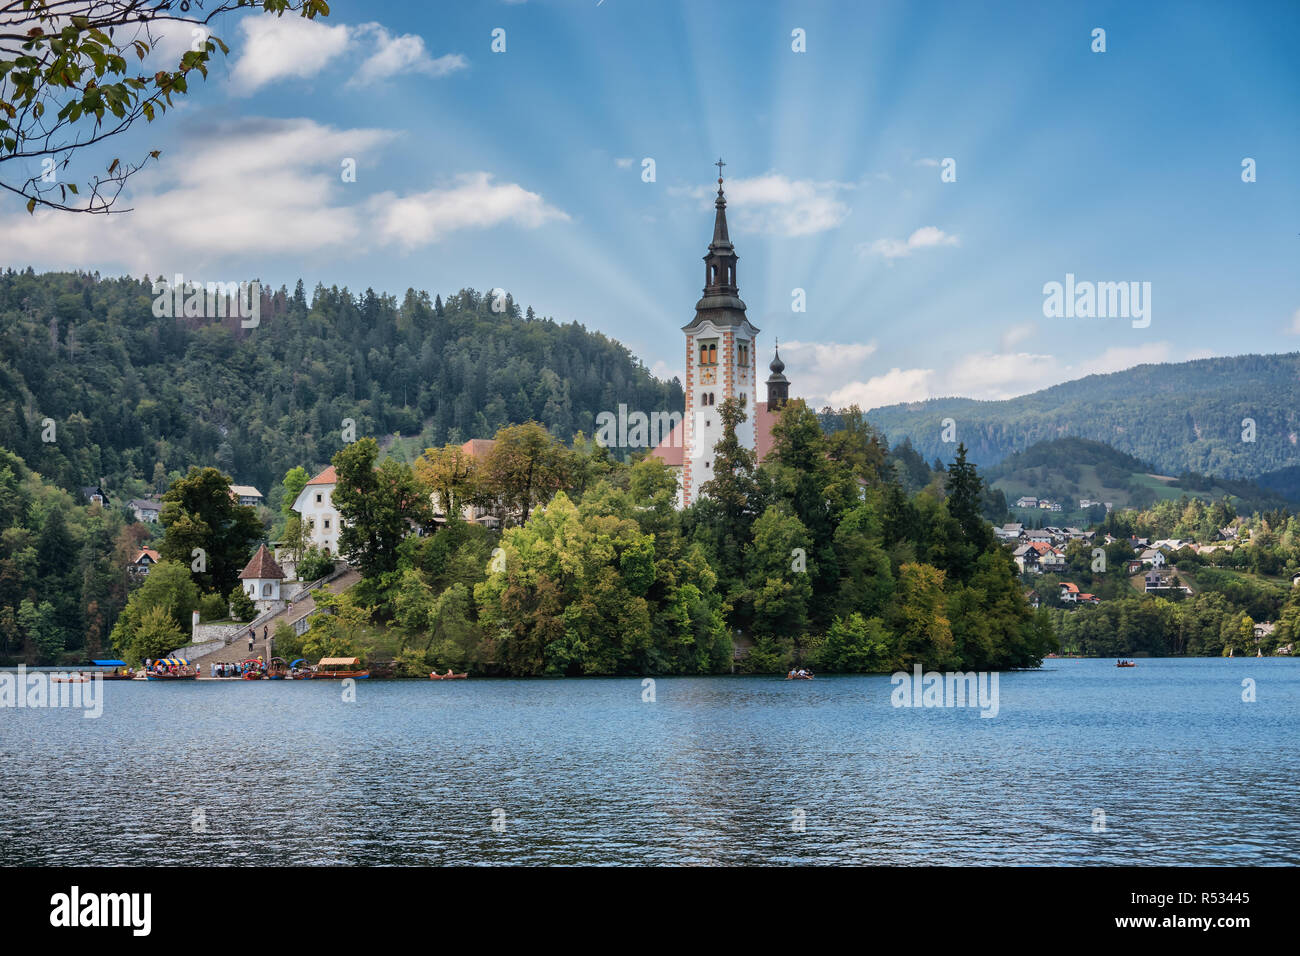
(1181, 417)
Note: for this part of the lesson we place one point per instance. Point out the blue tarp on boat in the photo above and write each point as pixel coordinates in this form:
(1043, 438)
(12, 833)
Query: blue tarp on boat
(109, 663)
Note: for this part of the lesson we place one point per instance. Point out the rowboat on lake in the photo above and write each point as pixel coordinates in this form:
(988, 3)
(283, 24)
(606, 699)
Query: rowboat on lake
(1126, 663)
(448, 676)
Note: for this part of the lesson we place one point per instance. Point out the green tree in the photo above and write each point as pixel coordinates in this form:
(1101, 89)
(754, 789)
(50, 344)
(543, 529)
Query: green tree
(377, 506)
(241, 605)
(525, 467)
(200, 514)
(156, 636)
(66, 82)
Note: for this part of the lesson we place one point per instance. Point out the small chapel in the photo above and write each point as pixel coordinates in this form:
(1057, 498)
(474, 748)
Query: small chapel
(721, 363)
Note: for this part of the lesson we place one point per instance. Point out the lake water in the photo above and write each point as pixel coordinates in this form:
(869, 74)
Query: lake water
(727, 770)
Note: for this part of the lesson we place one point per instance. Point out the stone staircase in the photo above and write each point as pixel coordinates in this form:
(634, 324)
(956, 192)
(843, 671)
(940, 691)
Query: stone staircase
(303, 606)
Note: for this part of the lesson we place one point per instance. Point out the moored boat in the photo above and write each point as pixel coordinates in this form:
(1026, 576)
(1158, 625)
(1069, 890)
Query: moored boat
(172, 668)
(339, 668)
(119, 672)
(449, 676)
(277, 669)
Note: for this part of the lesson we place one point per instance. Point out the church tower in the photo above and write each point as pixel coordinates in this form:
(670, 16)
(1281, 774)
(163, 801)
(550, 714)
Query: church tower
(778, 386)
(720, 358)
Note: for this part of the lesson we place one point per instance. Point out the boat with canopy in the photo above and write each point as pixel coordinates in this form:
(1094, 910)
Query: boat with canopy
(172, 668)
(339, 668)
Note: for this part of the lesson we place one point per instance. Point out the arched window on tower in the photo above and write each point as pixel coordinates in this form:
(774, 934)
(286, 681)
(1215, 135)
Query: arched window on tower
(713, 354)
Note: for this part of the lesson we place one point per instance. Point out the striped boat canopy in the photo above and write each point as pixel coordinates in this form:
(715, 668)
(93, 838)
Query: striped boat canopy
(176, 662)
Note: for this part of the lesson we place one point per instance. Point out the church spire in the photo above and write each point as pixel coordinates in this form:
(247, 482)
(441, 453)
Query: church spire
(720, 236)
(720, 305)
(720, 263)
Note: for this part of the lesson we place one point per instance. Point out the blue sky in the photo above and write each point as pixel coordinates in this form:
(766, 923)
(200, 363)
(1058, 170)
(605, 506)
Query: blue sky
(523, 170)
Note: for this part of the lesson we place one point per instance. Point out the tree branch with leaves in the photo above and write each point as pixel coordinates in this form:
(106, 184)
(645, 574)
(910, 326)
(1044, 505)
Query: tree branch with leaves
(68, 83)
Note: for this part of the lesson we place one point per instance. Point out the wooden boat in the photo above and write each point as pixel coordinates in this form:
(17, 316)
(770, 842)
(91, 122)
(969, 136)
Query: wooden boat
(1126, 663)
(119, 672)
(70, 679)
(799, 677)
(338, 668)
(183, 676)
(278, 669)
(437, 676)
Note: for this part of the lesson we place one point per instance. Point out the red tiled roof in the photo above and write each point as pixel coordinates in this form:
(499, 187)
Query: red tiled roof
(763, 422)
(152, 554)
(262, 566)
(1072, 588)
(327, 477)
(672, 449)
(478, 447)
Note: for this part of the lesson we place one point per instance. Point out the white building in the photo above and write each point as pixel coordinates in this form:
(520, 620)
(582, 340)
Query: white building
(315, 506)
(261, 580)
(721, 363)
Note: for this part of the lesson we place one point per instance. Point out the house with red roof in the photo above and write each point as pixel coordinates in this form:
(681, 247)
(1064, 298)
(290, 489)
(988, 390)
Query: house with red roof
(145, 559)
(261, 580)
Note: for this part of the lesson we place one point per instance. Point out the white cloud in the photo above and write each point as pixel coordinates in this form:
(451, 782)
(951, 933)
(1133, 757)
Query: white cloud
(1295, 323)
(924, 238)
(277, 48)
(624, 162)
(473, 202)
(896, 385)
(773, 204)
(927, 161)
(402, 54)
(818, 374)
(826, 358)
(662, 370)
(273, 188)
(1017, 334)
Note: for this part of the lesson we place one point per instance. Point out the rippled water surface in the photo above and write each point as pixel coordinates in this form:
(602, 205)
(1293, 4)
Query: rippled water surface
(715, 771)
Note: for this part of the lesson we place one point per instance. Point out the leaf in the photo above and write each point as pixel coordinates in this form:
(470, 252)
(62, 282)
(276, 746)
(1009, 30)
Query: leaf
(31, 204)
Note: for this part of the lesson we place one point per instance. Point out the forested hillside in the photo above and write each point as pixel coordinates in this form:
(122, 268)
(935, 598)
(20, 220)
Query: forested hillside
(1184, 417)
(1068, 469)
(133, 396)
